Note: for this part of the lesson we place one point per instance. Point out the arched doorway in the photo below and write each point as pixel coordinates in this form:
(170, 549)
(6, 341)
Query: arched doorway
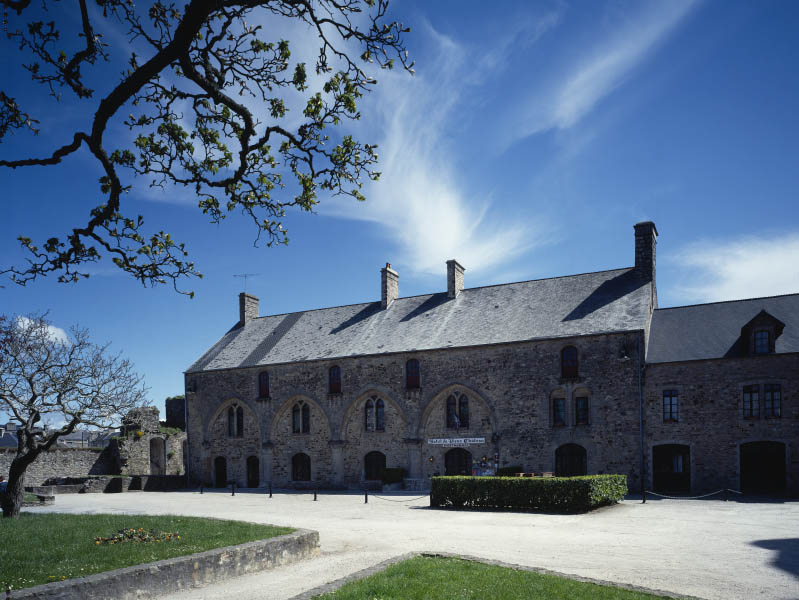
(373, 465)
(570, 461)
(220, 471)
(671, 468)
(253, 472)
(458, 462)
(157, 456)
(301, 467)
(763, 467)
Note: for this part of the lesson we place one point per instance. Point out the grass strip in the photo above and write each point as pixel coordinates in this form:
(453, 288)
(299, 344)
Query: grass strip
(438, 578)
(41, 548)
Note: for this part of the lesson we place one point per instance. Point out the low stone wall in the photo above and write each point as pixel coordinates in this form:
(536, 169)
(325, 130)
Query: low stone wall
(109, 485)
(62, 462)
(185, 572)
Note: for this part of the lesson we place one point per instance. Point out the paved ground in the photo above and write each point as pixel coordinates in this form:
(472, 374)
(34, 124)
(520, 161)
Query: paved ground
(710, 549)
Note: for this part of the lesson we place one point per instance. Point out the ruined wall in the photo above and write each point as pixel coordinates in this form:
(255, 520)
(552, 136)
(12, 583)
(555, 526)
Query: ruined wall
(62, 462)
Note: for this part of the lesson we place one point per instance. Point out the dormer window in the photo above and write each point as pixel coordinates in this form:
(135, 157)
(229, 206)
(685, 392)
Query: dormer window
(762, 341)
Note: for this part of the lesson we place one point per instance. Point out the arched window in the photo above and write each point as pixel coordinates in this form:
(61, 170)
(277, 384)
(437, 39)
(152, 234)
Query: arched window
(368, 415)
(263, 384)
(412, 379)
(306, 418)
(379, 411)
(558, 409)
(301, 467)
(457, 411)
(296, 423)
(581, 412)
(334, 380)
(570, 461)
(568, 362)
(235, 421)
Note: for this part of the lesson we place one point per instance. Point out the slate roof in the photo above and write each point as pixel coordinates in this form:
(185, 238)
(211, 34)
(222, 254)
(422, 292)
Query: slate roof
(8, 440)
(590, 303)
(706, 331)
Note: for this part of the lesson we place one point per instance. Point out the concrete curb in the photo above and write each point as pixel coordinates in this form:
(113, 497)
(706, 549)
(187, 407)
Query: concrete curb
(181, 573)
(334, 585)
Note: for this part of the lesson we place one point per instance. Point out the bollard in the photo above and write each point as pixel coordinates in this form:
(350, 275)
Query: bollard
(643, 496)
(314, 496)
(366, 497)
(726, 491)
(233, 489)
(201, 489)
(270, 489)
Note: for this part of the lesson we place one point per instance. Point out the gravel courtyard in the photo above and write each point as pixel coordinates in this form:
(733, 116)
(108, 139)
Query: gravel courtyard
(705, 548)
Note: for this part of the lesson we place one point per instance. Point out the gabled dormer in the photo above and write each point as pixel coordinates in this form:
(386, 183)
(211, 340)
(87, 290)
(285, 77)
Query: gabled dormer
(759, 335)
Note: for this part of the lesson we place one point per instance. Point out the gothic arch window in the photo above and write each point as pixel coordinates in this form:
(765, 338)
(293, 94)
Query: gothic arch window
(334, 379)
(235, 421)
(301, 467)
(568, 362)
(412, 375)
(263, 384)
(296, 423)
(457, 411)
(380, 424)
(301, 418)
(368, 415)
(306, 418)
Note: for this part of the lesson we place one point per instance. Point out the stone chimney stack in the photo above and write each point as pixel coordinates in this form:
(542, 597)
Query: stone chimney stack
(389, 286)
(454, 278)
(248, 308)
(646, 240)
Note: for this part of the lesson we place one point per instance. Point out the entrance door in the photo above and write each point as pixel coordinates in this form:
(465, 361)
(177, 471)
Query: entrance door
(570, 461)
(253, 472)
(301, 467)
(373, 465)
(763, 467)
(220, 471)
(157, 456)
(671, 468)
(458, 462)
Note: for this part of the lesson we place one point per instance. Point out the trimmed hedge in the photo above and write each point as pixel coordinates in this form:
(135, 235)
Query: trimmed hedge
(560, 494)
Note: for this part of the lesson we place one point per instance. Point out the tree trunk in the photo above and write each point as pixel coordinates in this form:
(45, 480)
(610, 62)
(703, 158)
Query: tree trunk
(15, 492)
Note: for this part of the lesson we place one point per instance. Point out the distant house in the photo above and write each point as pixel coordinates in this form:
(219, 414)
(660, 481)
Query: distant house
(8, 439)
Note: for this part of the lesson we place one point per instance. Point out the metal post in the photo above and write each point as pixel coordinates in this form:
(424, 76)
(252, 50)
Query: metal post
(643, 495)
(270, 489)
(366, 497)
(314, 496)
(201, 489)
(233, 489)
(726, 491)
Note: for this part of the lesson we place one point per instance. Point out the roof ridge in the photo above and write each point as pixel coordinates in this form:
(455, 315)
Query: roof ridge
(480, 287)
(728, 301)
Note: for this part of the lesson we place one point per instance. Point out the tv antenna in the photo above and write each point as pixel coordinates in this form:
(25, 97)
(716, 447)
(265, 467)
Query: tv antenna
(245, 276)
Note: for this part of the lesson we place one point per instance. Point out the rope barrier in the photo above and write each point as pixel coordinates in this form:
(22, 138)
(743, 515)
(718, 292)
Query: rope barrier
(407, 500)
(691, 497)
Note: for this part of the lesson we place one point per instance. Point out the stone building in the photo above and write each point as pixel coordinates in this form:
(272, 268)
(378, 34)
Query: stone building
(567, 375)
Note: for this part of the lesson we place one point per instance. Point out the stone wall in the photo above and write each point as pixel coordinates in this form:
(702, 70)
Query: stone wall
(711, 421)
(509, 387)
(62, 462)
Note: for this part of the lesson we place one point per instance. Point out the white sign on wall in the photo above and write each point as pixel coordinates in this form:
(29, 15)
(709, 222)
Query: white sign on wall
(456, 442)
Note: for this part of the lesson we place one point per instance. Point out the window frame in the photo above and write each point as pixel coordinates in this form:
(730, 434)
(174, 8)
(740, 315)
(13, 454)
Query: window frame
(569, 362)
(334, 380)
(586, 410)
(380, 415)
(750, 406)
(757, 341)
(671, 405)
(413, 374)
(263, 384)
(772, 400)
(559, 418)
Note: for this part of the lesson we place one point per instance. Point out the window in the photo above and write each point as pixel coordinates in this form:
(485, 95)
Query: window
(301, 418)
(568, 362)
(412, 380)
(334, 380)
(263, 384)
(772, 400)
(457, 411)
(379, 411)
(559, 412)
(671, 406)
(368, 415)
(581, 410)
(751, 402)
(235, 421)
(762, 341)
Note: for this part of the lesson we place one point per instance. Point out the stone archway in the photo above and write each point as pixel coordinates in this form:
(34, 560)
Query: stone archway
(157, 456)
(458, 462)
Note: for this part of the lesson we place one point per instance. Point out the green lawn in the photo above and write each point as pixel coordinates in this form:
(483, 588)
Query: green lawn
(40, 548)
(426, 578)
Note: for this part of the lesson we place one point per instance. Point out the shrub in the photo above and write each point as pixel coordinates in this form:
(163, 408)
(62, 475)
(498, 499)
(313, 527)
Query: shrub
(394, 475)
(560, 494)
(509, 471)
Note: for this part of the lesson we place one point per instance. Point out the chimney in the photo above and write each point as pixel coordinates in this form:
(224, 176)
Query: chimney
(248, 308)
(646, 239)
(389, 286)
(454, 278)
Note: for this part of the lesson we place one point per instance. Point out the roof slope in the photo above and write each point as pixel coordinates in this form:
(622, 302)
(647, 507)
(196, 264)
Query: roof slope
(713, 330)
(559, 307)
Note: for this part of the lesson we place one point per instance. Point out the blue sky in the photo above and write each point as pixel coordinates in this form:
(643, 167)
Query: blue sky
(531, 139)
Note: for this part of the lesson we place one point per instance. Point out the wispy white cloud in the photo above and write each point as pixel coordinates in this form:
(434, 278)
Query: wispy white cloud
(764, 265)
(55, 333)
(601, 68)
(422, 198)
